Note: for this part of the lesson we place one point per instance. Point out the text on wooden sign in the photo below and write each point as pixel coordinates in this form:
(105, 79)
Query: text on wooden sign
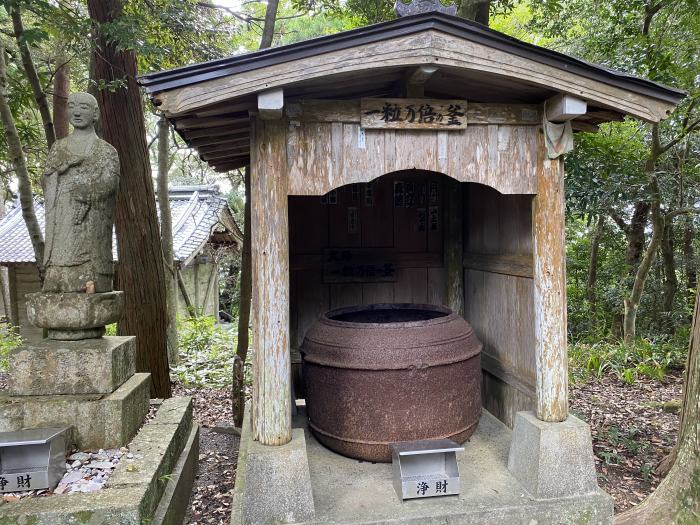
(413, 113)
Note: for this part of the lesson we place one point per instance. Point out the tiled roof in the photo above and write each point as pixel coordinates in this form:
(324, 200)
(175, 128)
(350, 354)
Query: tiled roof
(197, 211)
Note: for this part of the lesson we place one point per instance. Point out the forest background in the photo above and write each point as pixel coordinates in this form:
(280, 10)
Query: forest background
(633, 189)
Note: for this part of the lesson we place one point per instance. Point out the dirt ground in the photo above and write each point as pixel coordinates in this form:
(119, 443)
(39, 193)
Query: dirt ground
(634, 427)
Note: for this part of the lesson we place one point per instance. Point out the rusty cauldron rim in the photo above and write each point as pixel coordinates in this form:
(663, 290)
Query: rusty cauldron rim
(356, 345)
(449, 315)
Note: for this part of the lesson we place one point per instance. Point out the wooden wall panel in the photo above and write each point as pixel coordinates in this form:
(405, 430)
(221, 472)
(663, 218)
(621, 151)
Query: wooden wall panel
(327, 155)
(26, 280)
(499, 296)
(411, 286)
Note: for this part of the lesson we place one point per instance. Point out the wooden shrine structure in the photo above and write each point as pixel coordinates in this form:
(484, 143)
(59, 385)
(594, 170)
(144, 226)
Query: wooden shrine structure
(429, 145)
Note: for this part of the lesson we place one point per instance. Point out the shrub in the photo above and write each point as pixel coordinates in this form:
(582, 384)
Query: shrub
(9, 339)
(646, 358)
(206, 352)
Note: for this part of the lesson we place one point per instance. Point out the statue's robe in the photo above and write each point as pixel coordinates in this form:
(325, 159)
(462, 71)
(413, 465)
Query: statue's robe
(80, 200)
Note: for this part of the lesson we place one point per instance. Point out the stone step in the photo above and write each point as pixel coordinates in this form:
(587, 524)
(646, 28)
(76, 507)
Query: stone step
(90, 366)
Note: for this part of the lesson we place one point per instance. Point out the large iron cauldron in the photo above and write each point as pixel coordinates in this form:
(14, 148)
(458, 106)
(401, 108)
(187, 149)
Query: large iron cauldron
(383, 373)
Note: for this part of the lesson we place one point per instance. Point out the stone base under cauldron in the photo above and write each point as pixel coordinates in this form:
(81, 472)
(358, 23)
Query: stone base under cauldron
(351, 491)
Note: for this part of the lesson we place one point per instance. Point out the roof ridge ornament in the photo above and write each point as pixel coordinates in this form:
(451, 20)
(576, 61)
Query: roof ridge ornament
(416, 7)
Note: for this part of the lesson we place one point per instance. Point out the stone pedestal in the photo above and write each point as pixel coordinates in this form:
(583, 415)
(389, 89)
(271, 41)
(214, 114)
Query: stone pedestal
(89, 385)
(552, 460)
(74, 316)
(273, 485)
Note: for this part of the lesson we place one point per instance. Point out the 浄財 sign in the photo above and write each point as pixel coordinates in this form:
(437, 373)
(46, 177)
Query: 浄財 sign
(413, 113)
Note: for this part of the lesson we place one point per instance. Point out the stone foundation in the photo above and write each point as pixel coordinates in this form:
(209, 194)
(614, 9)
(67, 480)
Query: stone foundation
(49, 367)
(552, 460)
(89, 386)
(154, 490)
(97, 421)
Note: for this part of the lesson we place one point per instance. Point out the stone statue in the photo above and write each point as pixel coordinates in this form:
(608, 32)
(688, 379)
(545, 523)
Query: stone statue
(80, 188)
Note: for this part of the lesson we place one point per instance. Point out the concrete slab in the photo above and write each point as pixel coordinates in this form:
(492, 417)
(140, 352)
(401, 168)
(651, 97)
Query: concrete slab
(98, 421)
(552, 460)
(91, 366)
(348, 491)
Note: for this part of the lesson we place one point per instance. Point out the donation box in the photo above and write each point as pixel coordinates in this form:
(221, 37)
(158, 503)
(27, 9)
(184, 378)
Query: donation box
(32, 459)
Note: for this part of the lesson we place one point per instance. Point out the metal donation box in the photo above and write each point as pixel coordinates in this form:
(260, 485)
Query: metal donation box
(32, 459)
(425, 468)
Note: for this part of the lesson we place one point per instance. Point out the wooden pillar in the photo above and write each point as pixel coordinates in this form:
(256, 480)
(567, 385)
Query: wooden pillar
(271, 407)
(454, 245)
(550, 289)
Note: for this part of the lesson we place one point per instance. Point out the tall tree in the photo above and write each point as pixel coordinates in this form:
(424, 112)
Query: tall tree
(61, 90)
(13, 6)
(166, 232)
(19, 164)
(140, 270)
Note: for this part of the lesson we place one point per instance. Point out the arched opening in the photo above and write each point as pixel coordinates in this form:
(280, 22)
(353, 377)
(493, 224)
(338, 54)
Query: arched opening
(389, 241)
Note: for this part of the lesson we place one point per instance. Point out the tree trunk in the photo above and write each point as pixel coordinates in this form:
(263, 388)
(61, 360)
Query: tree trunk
(61, 90)
(269, 26)
(593, 263)
(32, 76)
(670, 281)
(19, 164)
(246, 293)
(676, 501)
(166, 233)
(657, 222)
(141, 272)
(477, 10)
(691, 275)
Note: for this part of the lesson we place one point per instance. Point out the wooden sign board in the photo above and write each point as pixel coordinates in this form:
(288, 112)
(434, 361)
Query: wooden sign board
(359, 265)
(413, 113)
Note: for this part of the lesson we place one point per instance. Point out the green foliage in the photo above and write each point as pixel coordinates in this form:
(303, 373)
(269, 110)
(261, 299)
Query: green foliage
(651, 359)
(9, 339)
(207, 350)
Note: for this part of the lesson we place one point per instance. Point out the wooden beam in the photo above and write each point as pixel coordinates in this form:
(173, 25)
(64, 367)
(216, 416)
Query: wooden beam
(208, 122)
(515, 265)
(549, 257)
(415, 83)
(271, 104)
(219, 131)
(579, 125)
(561, 108)
(271, 414)
(234, 164)
(215, 141)
(477, 113)
(224, 155)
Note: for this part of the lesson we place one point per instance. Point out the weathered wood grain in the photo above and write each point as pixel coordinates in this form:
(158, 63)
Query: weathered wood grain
(549, 257)
(271, 415)
(477, 113)
(429, 47)
(327, 155)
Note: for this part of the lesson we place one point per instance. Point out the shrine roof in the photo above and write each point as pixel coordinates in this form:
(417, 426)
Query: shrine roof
(155, 83)
(209, 103)
(199, 215)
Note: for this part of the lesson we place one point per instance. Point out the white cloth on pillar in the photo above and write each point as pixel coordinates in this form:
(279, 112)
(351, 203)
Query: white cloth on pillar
(558, 138)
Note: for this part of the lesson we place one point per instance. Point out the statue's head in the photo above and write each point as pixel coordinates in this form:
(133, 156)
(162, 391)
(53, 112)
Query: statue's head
(83, 110)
